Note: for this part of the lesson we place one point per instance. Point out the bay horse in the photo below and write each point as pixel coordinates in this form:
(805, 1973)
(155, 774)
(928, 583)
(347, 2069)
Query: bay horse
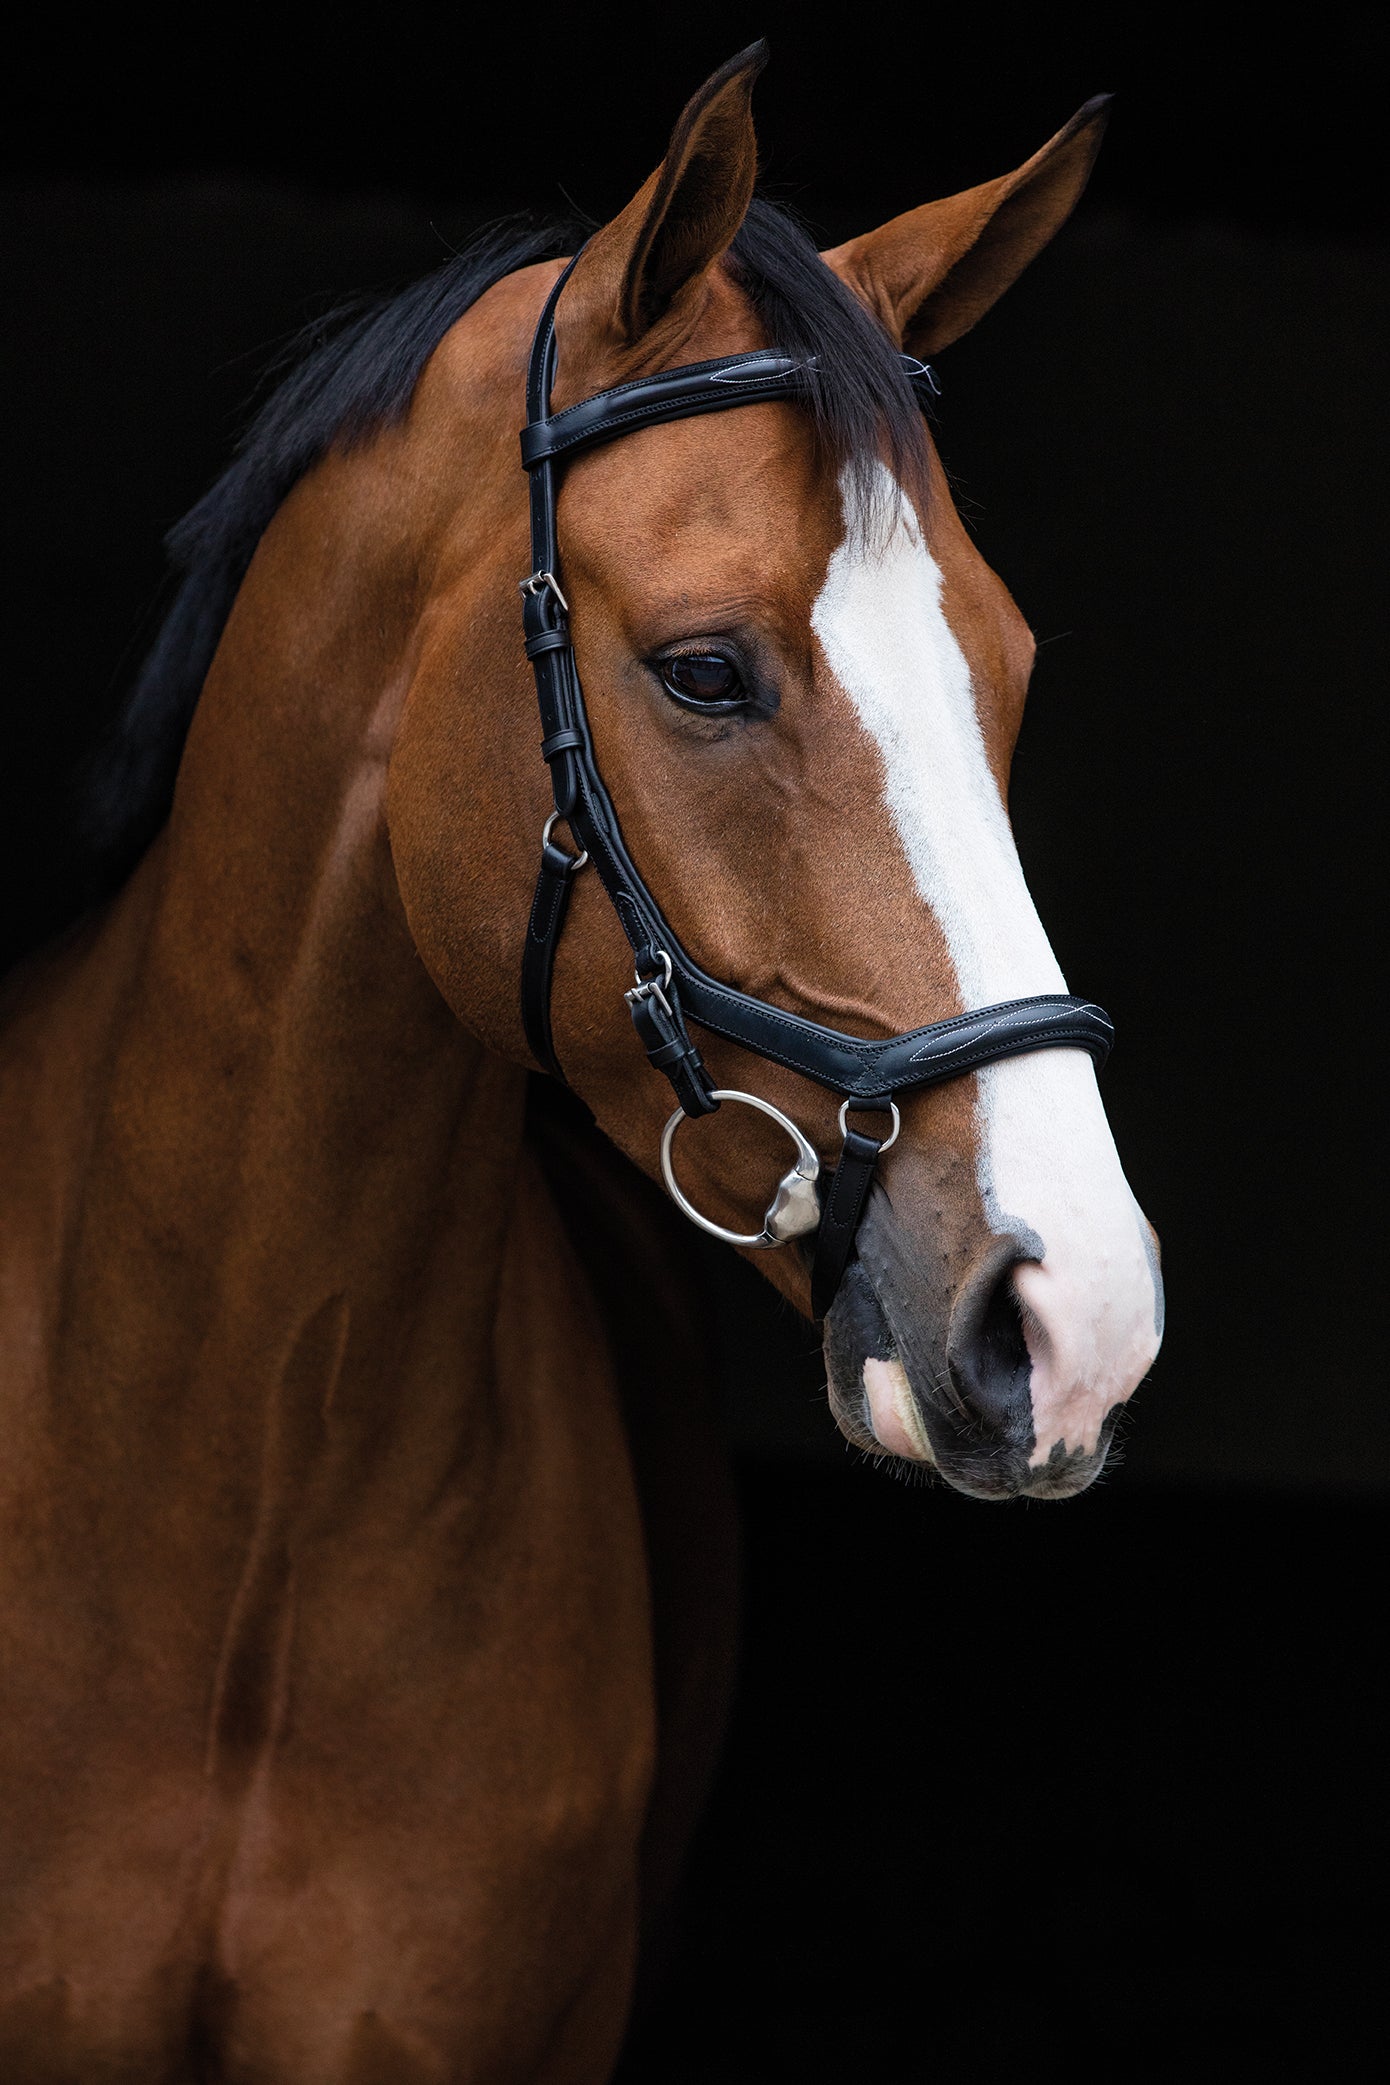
(332, 1621)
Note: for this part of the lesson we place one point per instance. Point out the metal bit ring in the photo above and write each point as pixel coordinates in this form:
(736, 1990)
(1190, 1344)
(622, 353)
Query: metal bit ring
(794, 1209)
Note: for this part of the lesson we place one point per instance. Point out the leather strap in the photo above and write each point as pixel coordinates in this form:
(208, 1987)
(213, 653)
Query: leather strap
(841, 1208)
(681, 394)
(548, 909)
(852, 1066)
(656, 1016)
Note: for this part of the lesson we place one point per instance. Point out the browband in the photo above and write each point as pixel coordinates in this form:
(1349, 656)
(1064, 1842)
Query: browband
(679, 394)
(671, 987)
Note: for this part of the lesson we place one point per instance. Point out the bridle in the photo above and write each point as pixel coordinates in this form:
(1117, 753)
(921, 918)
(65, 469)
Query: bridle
(671, 989)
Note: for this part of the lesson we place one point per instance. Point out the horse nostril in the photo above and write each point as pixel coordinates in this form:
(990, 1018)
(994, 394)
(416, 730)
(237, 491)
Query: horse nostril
(990, 1365)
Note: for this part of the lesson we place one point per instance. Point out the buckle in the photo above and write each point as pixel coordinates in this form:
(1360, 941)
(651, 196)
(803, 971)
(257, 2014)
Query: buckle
(650, 988)
(539, 580)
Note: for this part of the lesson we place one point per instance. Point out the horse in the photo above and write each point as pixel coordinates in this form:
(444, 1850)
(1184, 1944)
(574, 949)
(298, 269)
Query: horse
(362, 1583)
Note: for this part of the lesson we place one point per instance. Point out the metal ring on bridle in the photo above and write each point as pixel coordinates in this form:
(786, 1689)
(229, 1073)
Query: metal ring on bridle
(665, 961)
(794, 1209)
(577, 861)
(892, 1137)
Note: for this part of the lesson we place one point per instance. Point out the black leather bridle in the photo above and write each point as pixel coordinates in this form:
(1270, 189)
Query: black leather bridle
(671, 988)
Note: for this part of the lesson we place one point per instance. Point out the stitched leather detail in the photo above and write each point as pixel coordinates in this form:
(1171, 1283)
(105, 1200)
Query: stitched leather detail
(548, 908)
(677, 394)
(674, 394)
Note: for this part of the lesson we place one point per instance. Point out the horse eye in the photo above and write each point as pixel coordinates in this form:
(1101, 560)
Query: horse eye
(704, 679)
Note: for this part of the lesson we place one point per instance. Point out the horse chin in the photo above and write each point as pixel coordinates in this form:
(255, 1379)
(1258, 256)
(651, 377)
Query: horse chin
(885, 1401)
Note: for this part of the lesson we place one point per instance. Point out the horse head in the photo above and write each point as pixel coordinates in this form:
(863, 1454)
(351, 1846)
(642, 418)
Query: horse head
(804, 687)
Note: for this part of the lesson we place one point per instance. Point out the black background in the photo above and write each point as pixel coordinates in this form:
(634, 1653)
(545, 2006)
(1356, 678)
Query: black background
(1086, 1787)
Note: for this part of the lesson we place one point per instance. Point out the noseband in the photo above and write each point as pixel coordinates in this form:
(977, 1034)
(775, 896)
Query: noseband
(671, 989)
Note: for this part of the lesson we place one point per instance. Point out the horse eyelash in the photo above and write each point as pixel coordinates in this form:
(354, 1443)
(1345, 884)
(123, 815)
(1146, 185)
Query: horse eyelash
(760, 701)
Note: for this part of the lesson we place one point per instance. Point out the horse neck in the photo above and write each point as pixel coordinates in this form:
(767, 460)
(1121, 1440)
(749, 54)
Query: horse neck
(258, 1123)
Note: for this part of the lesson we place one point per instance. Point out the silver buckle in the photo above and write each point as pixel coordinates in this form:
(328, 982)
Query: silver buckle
(648, 988)
(794, 1209)
(538, 580)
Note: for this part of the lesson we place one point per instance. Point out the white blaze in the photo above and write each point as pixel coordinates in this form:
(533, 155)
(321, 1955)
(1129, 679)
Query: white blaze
(1046, 1160)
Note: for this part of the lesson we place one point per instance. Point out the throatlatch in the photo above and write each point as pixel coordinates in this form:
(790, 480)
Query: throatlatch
(671, 989)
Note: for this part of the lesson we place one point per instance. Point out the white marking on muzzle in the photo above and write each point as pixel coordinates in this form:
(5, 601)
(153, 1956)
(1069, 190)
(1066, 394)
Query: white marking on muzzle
(894, 1413)
(1046, 1161)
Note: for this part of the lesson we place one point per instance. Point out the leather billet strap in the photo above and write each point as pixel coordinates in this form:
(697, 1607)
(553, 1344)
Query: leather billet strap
(841, 1208)
(655, 1006)
(671, 987)
(543, 930)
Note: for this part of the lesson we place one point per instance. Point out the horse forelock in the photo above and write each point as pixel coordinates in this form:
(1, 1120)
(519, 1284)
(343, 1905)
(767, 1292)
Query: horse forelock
(863, 414)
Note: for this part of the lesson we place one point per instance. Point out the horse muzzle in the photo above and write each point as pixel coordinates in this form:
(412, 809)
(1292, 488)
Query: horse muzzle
(939, 1372)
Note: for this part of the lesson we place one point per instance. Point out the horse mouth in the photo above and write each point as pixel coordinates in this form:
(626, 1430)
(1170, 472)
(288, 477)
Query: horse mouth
(889, 1399)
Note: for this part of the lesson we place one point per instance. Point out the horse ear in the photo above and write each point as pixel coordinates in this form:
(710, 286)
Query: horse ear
(681, 219)
(932, 272)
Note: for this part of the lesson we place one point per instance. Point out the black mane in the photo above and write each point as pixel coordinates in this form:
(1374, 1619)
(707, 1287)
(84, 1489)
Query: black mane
(357, 374)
